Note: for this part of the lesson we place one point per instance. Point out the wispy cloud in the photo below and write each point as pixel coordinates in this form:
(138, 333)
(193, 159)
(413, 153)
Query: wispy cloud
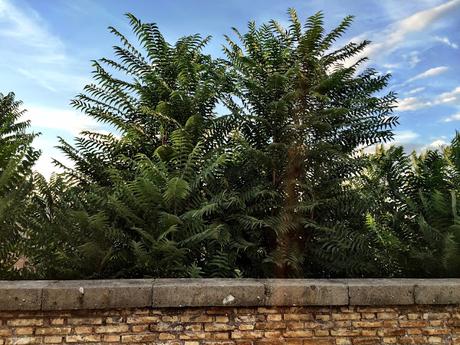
(416, 90)
(449, 97)
(36, 53)
(404, 137)
(429, 73)
(454, 117)
(446, 41)
(395, 35)
(66, 120)
(411, 103)
(413, 58)
(415, 103)
(25, 28)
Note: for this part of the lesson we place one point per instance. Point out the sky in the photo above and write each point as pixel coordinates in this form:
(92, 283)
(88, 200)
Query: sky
(46, 48)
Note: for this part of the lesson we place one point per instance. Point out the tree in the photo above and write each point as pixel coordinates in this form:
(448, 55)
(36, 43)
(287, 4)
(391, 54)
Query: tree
(16, 160)
(304, 115)
(415, 209)
(282, 203)
(155, 91)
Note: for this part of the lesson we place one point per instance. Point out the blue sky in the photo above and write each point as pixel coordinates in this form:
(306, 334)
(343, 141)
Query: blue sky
(46, 47)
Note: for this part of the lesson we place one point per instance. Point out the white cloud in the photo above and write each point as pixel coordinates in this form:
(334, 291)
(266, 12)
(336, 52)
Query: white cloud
(429, 73)
(45, 165)
(446, 41)
(404, 137)
(412, 58)
(416, 90)
(454, 117)
(391, 65)
(36, 78)
(70, 121)
(434, 145)
(449, 97)
(411, 103)
(26, 28)
(414, 103)
(35, 52)
(394, 35)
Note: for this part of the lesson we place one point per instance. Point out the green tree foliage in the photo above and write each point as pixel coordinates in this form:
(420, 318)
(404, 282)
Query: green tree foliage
(304, 114)
(298, 116)
(145, 95)
(415, 212)
(157, 224)
(278, 187)
(16, 160)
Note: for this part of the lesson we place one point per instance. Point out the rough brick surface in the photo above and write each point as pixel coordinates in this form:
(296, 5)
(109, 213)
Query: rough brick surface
(315, 325)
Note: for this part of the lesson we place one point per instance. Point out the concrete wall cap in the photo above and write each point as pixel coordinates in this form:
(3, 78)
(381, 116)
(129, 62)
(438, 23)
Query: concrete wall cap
(174, 293)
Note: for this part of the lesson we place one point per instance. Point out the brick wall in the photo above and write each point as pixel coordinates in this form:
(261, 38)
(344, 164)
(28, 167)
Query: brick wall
(230, 312)
(232, 326)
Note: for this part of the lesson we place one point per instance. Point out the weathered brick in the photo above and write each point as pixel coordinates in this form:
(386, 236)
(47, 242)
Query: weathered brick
(85, 321)
(166, 336)
(346, 316)
(298, 334)
(23, 340)
(319, 342)
(53, 331)
(108, 338)
(5, 331)
(270, 325)
(83, 329)
(321, 333)
(25, 322)
(247, 334)
(90, 338)
(52, 340)
(386, 316)
(403, 323)
(298, 317)
(274, 317)
(246, 327)
(220, 335)
(367, 324)
(366, 341)
(57, 321)
(111, 329)
(139, 338)
(24, 330)
(218, 327)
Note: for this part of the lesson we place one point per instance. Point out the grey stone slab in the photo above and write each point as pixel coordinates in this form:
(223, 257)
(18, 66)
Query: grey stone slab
(137, 293)
(377, 292)
(21, 295)
(304, 292)
(437, 291)
(207, 292)
(97, 294)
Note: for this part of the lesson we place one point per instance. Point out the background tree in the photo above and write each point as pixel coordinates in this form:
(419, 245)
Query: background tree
(415, 213)
(16, 160)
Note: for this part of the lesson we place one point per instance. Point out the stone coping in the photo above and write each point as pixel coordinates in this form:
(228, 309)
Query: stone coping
(176, 293)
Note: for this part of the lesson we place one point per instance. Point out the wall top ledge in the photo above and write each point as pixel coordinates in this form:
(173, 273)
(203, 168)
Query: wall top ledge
(176, 293)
